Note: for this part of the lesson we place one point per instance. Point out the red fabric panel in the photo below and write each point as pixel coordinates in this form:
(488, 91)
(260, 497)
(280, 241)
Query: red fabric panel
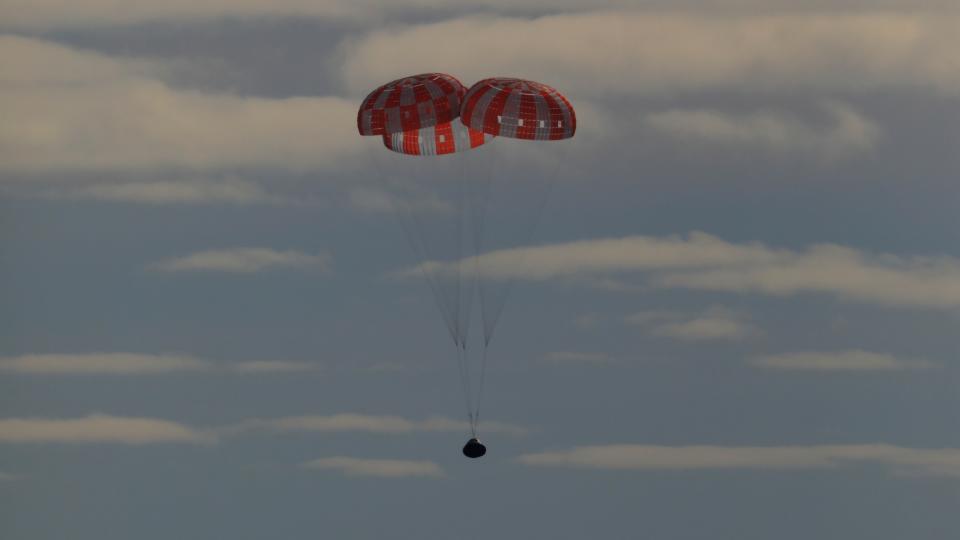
(491, 123)
(448, 145)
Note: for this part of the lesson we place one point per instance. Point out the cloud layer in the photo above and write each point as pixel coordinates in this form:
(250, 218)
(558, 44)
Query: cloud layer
(704, 262)
(386, 424)
(658, 52)
(244, 261)
(852, 360)
(197, 191)
(73, 110)
(383, 468)
(101, 363)
(933, 462)
(138, 364)
(100, 428)
(715, 323)
(41, 14)
(845, 130)
(578, 358)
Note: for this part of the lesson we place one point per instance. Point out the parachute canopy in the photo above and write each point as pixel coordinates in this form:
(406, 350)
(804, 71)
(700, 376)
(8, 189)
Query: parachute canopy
(410, 103)
(518, 108)
(446, 138)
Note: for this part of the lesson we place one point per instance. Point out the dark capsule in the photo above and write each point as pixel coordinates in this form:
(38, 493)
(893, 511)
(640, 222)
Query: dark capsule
(474, 449)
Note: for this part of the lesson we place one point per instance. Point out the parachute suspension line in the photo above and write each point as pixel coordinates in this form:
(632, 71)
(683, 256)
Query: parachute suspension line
(461, 301)
(483, 374)
(469, 223)
(414, 231)
(435, 289)
(399, 213)
(447, 300)
(465, 385)
(480, 199)
(478, 194)
(498, 301)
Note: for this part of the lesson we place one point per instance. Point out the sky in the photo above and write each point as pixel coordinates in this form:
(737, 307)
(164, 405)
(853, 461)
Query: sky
(735, 317)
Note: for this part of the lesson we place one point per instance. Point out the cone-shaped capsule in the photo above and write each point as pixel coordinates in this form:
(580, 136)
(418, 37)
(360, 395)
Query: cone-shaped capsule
(474, 449)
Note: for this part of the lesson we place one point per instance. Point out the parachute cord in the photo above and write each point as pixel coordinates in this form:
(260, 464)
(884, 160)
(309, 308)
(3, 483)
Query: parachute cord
(465, 385)
(478, 199)
(483, 373)
(466, 281)
(479, 203)
(458, 230)
(413, 232)
(490, 323)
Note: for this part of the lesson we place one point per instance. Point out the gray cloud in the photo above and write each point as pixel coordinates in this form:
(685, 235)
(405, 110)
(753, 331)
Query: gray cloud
(881, 279)
(198, 191)
(103, 428)
(350, 422)
(714, 323)
(100, 428)
(102, 363)
(578, 358)
(72, 110)
(914, 461)
(611, 255)
(139, 364)
(844, 132)
(600, 53)
(274, 366)
(244, 261)
(40, 14)
(385, 468)
(851, 360)
(374, 200)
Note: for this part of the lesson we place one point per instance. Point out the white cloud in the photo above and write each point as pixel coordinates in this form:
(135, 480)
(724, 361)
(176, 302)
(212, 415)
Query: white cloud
(79, 111)
(386, 468)
(140, 364)
(575, 358)
(827, 268)
(72, 110)
(705, 262)
(852, 360)
(244, 261)
(350, 422)
(40, 14)
(844, 132)
(99, 428)
(661, 51)
(199, 191)
(274, 366)
(102, 363)
(611, 255)
(914, 461)
(714, 323)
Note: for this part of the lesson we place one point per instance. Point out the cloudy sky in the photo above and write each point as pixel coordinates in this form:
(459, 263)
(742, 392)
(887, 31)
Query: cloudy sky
(736, 317)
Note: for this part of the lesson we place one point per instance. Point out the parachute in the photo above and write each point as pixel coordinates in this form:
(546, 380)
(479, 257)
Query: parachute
(408, 103)
(438, 140)
(519, 109)
(453, 188)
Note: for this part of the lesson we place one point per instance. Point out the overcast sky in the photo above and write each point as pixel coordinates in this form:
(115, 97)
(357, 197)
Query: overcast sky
(736, 319)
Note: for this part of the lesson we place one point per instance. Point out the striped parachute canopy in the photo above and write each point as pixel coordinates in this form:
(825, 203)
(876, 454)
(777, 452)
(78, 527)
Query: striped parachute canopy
(518, 108)
(411, 103)
(446, 138)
